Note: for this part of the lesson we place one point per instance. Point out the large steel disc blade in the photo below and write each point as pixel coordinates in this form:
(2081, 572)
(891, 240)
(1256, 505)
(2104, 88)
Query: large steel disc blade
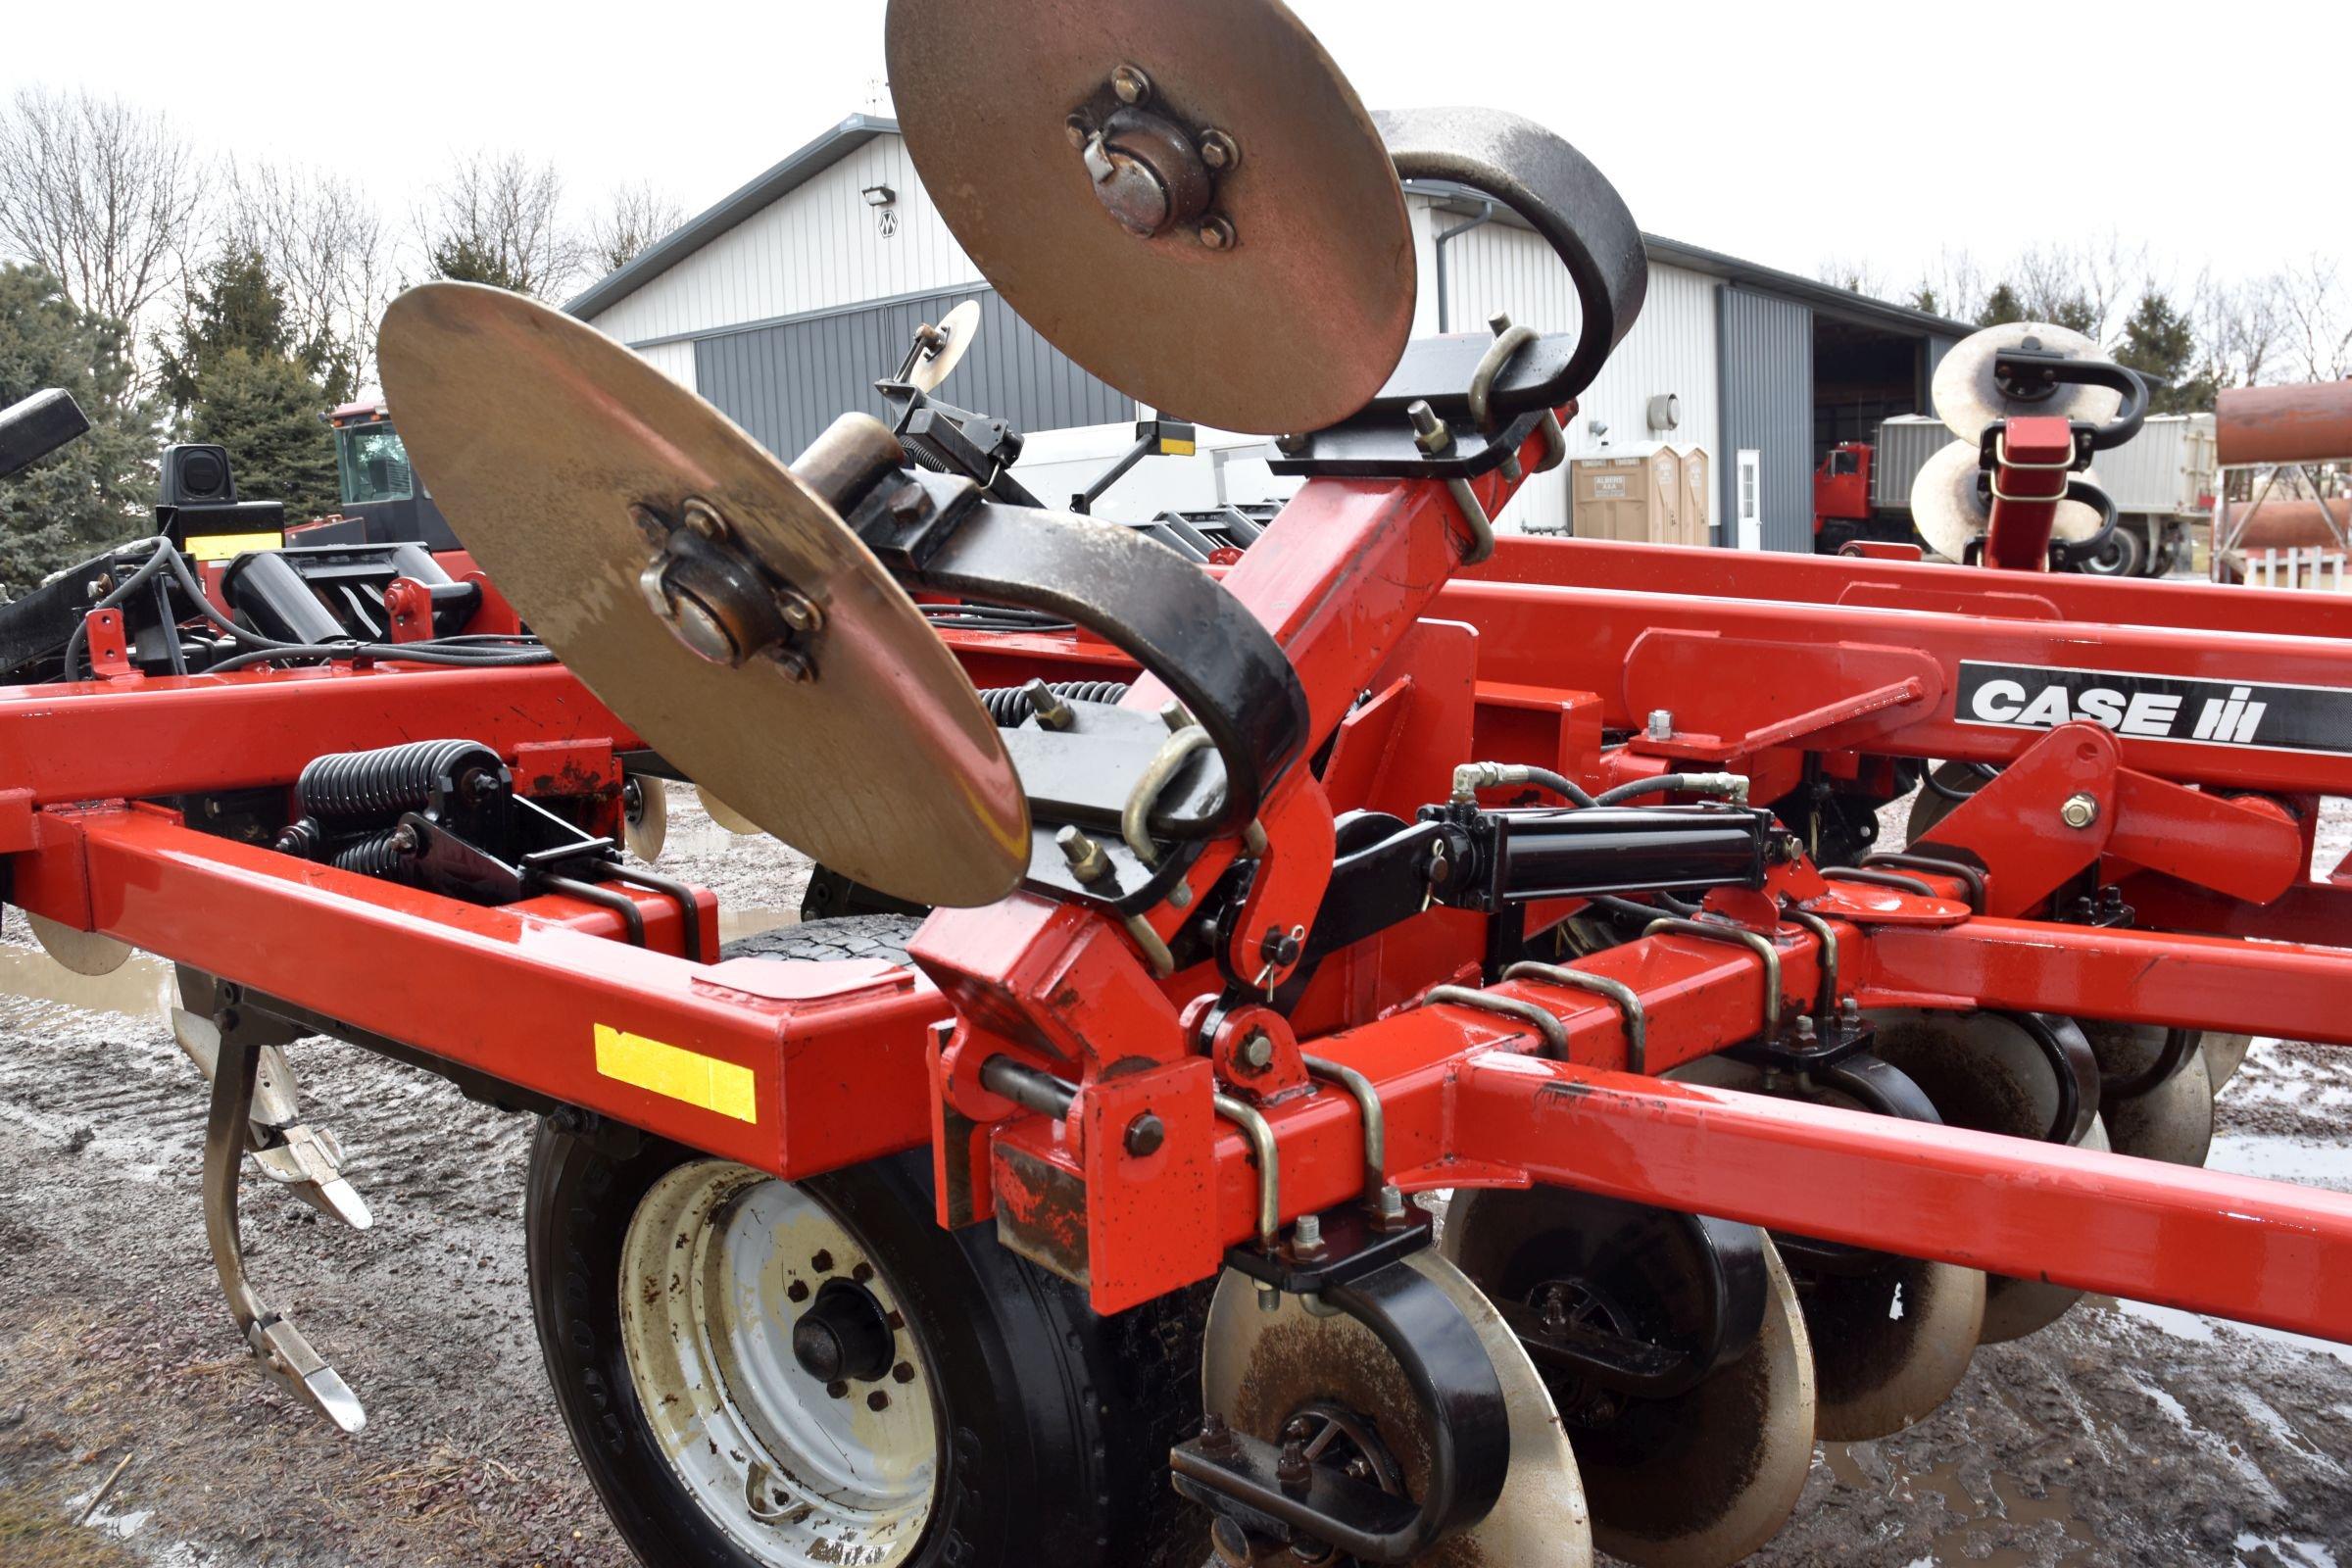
(1261, 1368)
(538, 435)
(1950, 514)
(1970, 401)
(2172, 1121)
(2224, 1055)
(1294, 324)
(1984, 1071)
(85, 953)
(1699, 1480)
(1892, 1336)
(645, 818)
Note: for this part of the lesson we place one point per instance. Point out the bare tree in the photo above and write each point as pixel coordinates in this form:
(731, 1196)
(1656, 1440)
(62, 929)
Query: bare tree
(497, 219)
(326, 249)
(2318, 317)
(1854, 276)
(102, 194)
(636, 218)
(2240, 328)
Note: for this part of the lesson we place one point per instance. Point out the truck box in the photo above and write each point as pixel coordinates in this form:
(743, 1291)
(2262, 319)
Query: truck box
(2163, 471)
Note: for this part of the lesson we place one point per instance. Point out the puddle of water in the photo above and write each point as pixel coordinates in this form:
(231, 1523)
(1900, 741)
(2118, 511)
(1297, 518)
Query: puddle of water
(2206, 1329)
(2287, 1160)
(2010, 1504)
(2282, 1552)
(142, 989)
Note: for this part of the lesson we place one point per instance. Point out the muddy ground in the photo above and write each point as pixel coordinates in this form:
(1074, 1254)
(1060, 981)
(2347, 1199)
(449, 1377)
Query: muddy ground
(2122, 1436)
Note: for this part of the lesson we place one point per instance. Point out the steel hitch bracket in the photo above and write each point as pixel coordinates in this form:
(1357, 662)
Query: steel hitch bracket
(1273, 1492)
(273, 1340)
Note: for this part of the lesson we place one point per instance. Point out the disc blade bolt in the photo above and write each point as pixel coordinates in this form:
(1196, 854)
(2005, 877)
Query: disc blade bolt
(1078, 128)
(1130, 85)
(2081, 811)
(1218, 149)
(1217, 233)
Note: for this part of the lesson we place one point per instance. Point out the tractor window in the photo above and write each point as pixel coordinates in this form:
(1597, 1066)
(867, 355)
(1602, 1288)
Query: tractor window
(1844, 463)
(374, 464)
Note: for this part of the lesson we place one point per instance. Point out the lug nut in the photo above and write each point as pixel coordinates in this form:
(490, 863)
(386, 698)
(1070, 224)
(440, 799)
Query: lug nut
(863, 1272)
(823, 1262)
(904, 1372)
(797, 1291)
(1144, 1135)
(2079, 811)
(837, 1390)
(877, 1400)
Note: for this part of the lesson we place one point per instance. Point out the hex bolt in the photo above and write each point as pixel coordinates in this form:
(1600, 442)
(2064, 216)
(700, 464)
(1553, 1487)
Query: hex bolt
(1088, 864)
(823, 1262)
(1256, 1053)
(1046, 703)
(877, 1400)
(1806, 1033)
(1218, 149)
(863, 1272)
(1078, 128)
(837, 1390)
(797, 1290)
(1291, 1470)
(799, 612)
(1307, 1237)
(1145, 1134)
(1391, 1203)
(1130, 85)
(1661, 724)
(2079, 811)
(904, 1372)
(1429, 432)
(1215, 1436)
(1216, 232)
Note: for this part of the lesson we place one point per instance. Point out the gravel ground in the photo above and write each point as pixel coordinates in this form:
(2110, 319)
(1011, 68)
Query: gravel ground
(2122, 1436)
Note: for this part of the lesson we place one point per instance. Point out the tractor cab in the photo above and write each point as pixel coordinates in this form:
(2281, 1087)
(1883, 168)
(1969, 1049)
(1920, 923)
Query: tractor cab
(382, 500)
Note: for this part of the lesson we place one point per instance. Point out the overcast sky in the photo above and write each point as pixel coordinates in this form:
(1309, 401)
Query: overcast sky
(1783, 133)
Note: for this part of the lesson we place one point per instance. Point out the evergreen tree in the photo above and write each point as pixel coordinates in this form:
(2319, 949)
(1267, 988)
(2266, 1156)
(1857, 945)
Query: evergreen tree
(2161, 345)
(1924, 299)
(462, 261)
(2001, 307)
(267, 410)
(241, 307)
(91, 492)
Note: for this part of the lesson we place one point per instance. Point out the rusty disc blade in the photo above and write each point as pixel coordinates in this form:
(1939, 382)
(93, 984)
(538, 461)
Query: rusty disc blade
(1968, 401)
(1291, 326)
(539, 434)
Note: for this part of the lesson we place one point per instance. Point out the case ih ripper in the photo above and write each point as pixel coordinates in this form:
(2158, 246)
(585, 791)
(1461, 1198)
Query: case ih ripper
(1397, 860)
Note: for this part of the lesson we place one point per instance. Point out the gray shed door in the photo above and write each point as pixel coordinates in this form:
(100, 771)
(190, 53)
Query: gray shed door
(786, 381)
(1767, 349)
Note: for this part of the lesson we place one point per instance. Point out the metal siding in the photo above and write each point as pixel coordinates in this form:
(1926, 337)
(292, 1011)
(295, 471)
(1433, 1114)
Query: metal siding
(1767, 382)
(816, 247)
(786, 382)
(1670, 349)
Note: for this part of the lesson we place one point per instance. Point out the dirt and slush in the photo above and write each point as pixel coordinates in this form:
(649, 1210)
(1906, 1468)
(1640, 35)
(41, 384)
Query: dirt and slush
(2124, 1435)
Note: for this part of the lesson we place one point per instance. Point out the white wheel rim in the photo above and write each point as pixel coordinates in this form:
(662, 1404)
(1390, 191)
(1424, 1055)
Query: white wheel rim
(795, 1475)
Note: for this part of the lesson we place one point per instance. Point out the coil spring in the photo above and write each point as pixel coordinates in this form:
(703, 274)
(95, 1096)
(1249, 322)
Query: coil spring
(374, 854)
(385, 782)
(1009, 705)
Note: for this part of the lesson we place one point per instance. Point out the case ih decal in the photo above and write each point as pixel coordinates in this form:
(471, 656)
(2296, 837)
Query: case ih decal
(2157, 708)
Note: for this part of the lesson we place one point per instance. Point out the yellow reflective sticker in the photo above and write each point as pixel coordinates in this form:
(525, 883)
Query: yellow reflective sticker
(221, 546)
(1170, 447)
(675, 1073)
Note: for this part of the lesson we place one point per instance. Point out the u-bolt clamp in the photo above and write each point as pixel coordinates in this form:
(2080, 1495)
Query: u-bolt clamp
(1261, 1134)
(1761, 946)
(1376, 1126)
(1628, 1001)
(1544, 1022)
(1825, 998)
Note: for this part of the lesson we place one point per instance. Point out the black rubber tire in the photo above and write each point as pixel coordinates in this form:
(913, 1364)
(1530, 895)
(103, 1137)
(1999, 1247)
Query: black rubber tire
(851, 935)
(1058, 1422)
(2124, 554)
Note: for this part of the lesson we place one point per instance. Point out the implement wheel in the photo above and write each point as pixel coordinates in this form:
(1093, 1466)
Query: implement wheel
(768, 1374)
